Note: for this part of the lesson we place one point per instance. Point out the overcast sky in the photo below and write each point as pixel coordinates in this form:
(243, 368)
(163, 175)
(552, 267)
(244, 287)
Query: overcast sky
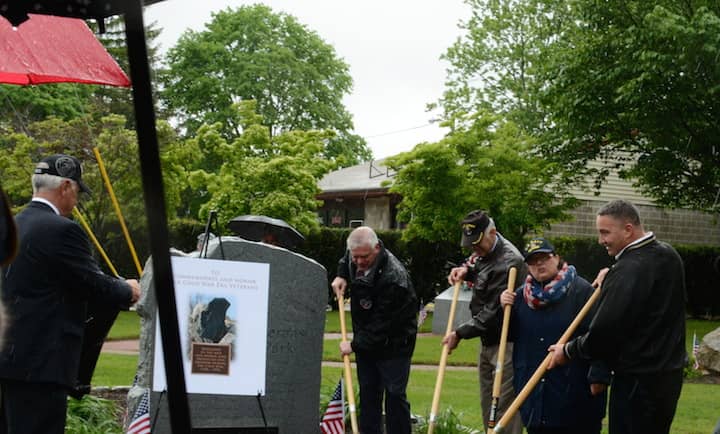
(393, 48)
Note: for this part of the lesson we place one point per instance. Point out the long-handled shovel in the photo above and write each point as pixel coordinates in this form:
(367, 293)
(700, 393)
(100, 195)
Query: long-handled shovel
(540, 371)
(348, 371)
(497, 384)
(443, 361)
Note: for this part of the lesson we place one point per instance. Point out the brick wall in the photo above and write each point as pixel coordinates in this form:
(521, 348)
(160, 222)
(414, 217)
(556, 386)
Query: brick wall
(676, 226)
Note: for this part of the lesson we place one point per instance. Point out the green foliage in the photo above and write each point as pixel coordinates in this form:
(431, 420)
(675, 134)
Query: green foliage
(92, 415)
(259, 174)
(495, 64)
(447, 422)
(118, 149)
(491, 166)
(634, 82)
(253, 53)
(23, 105)
(641, 77)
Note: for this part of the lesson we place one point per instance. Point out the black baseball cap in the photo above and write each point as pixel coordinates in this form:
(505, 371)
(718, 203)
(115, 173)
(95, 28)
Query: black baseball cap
(64, 166)
(473, 227)
(538, 245)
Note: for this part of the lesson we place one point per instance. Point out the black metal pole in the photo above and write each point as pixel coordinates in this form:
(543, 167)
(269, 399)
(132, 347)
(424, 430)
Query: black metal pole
(157, 220)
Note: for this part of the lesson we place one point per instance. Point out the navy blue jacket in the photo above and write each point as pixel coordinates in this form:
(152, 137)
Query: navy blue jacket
(45, 291)
(562, 398)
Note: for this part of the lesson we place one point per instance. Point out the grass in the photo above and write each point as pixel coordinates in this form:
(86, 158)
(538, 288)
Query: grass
(127, 326)
(332, 322)
(427, 351)
(696, 413)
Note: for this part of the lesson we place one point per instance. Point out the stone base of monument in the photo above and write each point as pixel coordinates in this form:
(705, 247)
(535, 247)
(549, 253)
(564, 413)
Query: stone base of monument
(298, 295)
(442, 309)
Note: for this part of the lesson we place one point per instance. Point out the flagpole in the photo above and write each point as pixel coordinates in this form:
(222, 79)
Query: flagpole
(95, 241)
(114, 200)
(348, 371)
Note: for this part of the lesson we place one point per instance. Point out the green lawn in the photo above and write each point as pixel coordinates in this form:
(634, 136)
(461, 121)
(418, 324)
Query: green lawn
(332, 322)
(697, 409)
(127, 326)
(427, 351)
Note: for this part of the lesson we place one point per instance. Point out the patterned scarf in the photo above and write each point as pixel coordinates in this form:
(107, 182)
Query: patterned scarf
(538, 297)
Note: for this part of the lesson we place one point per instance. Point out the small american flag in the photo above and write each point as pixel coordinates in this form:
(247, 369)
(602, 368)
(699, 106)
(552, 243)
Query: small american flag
(696, 348)
(333, 422)
(422, 315)
(141, 419)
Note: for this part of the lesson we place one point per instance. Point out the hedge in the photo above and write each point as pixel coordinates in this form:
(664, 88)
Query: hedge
(430, 262)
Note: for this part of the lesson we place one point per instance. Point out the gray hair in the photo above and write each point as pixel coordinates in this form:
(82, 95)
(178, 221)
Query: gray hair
(490, 226)
(621, 210)
(44, 181)
(362, 236)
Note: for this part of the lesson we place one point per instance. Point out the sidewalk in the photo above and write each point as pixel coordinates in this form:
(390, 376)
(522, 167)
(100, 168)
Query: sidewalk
(132, 346)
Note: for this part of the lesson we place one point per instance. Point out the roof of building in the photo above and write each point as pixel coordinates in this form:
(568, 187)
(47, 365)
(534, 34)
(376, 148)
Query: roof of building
(366, 176)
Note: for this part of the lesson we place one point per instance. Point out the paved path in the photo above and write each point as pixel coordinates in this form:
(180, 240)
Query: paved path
(130, 347)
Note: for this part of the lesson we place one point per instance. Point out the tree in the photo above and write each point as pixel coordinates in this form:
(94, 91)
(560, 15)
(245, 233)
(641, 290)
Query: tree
(495, 64)
(77, 137)
(252, 53)
(490, 165)
(23, 105)
(257, 173)
(641, 77)
(118, 100)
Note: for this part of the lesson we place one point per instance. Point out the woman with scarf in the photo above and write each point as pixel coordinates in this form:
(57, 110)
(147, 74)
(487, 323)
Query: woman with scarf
(571, 399)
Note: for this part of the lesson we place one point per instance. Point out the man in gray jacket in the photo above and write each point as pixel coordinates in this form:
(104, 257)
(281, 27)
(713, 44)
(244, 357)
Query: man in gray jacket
(486, 272)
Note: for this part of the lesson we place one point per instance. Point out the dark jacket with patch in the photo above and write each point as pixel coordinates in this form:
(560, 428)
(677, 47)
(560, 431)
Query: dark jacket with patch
(45, 291)
(640, 324)
(489, 276)
(384, 307)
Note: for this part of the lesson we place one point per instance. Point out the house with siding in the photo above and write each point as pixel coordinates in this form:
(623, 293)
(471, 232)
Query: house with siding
(359, 195)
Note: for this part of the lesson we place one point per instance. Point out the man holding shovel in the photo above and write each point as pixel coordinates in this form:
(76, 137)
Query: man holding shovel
(639, 328)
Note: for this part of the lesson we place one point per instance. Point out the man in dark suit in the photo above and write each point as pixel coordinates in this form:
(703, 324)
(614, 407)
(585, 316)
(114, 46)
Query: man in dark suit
(45, 291)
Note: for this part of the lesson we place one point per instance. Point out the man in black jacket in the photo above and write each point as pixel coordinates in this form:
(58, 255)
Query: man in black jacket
(639, 328)
(45, 291)
(384, 317)
(486, 271)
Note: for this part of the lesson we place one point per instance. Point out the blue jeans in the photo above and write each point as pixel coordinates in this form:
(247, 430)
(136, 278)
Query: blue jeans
(389, 377)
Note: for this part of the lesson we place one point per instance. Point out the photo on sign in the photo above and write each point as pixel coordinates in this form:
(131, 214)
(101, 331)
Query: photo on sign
(212, 320)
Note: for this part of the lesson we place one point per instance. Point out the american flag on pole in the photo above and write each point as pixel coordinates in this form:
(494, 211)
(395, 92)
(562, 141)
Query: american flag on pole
(141, 419)
(333, 422)
(696, 348)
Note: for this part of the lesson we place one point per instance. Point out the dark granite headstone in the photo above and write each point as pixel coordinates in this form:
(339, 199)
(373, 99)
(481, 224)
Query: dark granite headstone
(296, 320)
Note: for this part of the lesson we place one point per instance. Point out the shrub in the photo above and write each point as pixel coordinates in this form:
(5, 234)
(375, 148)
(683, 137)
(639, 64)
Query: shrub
(92, 415)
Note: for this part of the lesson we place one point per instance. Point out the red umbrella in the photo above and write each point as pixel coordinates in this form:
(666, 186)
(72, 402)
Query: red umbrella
(51, 49)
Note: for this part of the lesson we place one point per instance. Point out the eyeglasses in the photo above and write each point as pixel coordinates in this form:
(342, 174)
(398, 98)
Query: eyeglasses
(539, 259)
